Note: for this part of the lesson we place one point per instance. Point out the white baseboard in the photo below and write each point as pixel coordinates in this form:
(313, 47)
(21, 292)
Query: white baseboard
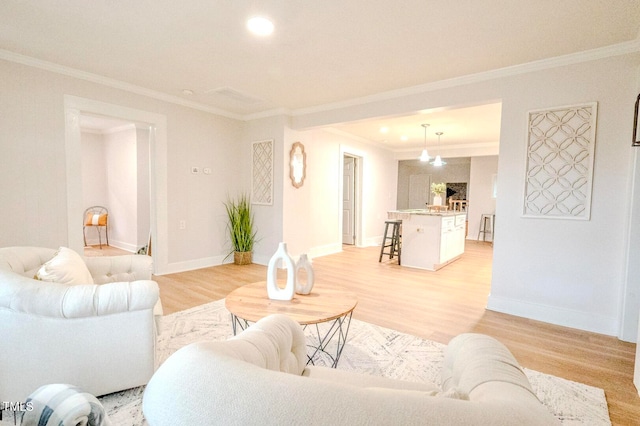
(559, 316)
(325, 250)
(206, 262)
(312, 254)
(190, 265)
(131, 248)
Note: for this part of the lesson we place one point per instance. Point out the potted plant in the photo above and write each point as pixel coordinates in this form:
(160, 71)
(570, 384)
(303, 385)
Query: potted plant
(438, 189)
(241, 229)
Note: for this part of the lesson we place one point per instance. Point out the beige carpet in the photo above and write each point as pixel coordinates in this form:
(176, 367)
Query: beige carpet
(370, 349)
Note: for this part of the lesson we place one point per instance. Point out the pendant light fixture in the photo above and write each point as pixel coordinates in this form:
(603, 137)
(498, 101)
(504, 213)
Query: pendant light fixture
(424, 157)
(438, 161)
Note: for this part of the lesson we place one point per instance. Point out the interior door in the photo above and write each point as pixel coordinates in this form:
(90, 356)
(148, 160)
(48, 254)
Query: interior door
(419, 191)
(348, 200)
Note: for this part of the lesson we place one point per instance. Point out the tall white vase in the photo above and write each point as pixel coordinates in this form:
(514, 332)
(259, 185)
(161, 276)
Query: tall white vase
(437, 200)
(304, 286)
(273, 290)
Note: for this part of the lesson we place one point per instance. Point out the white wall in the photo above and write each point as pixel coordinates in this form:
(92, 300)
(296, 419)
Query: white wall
(312, 214)
(480, 193)
(551, 270)
(557, 270)
(631, 302)
(143, 215)
(94, 179)
(268, 218)
(298, 215)
(115, 174)
(121, 159)
(94, 173)
(33, 165)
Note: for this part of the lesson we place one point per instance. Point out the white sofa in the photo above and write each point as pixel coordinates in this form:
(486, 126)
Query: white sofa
(260, 378)
(100, 337)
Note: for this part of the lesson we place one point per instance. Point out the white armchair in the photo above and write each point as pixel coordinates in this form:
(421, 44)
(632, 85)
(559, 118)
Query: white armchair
(260, 377)
(100, 337)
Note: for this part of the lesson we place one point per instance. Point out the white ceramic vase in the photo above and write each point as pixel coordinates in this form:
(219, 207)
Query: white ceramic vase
(437, 200)
(274, 291)
(304, 282)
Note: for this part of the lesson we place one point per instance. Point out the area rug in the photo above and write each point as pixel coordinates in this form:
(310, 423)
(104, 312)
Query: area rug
(370, 349)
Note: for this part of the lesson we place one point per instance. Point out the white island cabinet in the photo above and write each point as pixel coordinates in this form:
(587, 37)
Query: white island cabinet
(430, 240)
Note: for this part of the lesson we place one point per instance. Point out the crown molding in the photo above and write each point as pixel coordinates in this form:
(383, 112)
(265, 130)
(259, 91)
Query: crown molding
(110, 82)
(450, 147)
(570, 59)
(266, 114)
(558, 61)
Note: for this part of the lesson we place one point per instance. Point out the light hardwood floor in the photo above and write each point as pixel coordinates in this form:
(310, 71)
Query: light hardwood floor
(437, 306)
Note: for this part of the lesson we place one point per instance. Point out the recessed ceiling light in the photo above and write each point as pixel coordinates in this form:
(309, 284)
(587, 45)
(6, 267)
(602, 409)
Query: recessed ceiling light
(404, 138)
(384, 129)
(260, 26)
(187, 92)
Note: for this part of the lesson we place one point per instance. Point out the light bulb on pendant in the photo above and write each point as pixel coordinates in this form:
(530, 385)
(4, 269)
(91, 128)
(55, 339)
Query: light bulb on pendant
(424, 157)
(438, 161)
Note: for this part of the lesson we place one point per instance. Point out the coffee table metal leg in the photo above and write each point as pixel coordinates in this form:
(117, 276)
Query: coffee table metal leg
(339, 326)
(238, 324)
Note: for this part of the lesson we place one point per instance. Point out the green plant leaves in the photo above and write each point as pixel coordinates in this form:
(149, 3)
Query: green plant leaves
(241, 223)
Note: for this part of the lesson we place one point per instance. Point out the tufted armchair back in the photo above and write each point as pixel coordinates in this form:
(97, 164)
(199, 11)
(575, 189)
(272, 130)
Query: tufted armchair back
(109, 269)
(24, 260)
(99, 336)
(275, 343)
(259, 378)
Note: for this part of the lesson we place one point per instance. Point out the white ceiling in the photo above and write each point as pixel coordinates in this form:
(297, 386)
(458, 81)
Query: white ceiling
(100, 123)
(322, 52)
(459, 126)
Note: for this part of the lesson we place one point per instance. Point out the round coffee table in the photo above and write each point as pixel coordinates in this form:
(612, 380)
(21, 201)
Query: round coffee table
(326, 312)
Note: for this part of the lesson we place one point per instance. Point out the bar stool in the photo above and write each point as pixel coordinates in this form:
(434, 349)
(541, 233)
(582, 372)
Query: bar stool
(394, 241)
(484, 229)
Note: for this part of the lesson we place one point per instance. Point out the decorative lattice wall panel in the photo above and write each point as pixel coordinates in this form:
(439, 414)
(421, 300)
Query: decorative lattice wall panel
(559, 166)
(262, 172)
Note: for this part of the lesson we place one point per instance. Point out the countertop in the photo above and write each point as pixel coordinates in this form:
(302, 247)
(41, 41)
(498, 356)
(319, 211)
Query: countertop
(426, 212)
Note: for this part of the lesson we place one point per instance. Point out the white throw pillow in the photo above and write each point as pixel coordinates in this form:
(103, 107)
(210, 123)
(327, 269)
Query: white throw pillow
(66, 267)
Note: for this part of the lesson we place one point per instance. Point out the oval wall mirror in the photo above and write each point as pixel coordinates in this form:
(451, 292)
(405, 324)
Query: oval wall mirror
(297, 164)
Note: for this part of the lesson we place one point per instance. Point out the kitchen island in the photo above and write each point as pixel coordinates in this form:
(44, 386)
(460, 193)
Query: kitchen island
(430, 240)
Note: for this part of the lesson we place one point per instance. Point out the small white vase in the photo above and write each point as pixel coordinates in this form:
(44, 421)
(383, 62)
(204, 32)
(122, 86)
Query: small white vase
(304, 286)
(274, 291)
(437, 200)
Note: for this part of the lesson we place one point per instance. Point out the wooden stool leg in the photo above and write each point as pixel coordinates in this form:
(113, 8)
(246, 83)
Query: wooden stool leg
(399, 242)
(392, 248)
(395, 245)
(384, 240)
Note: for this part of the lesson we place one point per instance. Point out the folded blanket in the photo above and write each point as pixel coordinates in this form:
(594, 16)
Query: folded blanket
(63, 405)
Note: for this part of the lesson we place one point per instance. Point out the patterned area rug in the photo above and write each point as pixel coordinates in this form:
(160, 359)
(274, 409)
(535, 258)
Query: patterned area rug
(370, 349)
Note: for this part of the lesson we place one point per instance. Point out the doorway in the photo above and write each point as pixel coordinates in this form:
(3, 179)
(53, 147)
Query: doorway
(158, 206)
(348, 200)
(115, 174)
(351, 211)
